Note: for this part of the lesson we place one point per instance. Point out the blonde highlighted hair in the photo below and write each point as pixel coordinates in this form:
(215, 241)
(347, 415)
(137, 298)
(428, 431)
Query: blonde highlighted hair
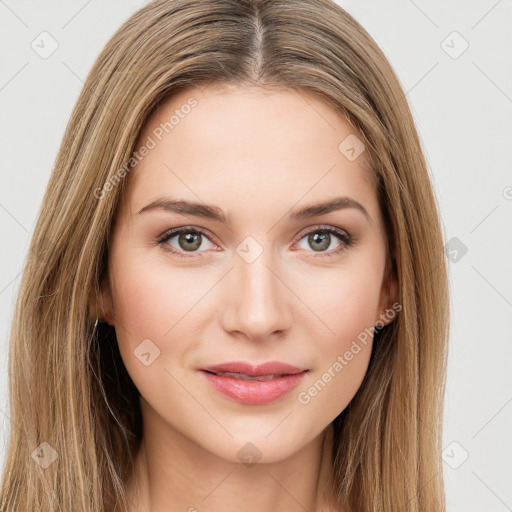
(68, 386)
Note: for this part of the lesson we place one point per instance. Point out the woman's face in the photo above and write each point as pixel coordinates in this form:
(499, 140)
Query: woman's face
(248, 279)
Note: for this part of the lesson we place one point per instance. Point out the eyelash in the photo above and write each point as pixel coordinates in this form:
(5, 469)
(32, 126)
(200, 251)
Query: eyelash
(343, 236)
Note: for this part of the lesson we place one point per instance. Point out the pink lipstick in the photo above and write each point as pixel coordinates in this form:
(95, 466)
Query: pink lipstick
(254, 384)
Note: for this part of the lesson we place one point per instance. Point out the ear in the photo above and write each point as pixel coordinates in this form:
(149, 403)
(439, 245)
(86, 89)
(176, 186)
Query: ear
(107, 304)
(388, 293)
(102, 306)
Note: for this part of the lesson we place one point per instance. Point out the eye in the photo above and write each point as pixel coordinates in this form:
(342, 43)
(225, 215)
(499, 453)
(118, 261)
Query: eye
(188, 239)
(321, 239)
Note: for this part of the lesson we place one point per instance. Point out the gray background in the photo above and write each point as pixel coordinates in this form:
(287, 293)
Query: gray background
(462, 103)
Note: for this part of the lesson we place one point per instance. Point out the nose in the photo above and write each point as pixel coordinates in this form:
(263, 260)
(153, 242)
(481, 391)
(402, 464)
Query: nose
(257, 303)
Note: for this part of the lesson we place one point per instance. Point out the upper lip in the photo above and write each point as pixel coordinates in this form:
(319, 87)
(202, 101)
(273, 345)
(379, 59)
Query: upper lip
(255, 370)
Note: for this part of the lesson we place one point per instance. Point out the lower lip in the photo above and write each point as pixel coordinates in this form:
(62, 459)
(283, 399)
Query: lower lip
(254, 392)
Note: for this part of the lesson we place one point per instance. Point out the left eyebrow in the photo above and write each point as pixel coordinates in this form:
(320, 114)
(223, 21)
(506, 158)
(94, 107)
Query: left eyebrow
(215, 213)
(338, 203)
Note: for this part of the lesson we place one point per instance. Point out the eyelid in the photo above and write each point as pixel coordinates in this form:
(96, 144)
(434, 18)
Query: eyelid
(323, 227)
(176, 231)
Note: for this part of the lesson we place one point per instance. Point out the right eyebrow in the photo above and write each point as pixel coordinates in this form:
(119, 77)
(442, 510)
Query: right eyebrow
(185, 208)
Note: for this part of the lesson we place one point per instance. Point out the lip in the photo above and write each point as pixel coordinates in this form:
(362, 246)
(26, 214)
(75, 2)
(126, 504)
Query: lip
(255, 370)
(254, 392)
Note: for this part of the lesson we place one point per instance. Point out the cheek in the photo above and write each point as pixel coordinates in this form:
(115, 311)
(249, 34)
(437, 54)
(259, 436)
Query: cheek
(158, 303)
(346, 302)
(152, 328)
(347, 309)
(144, 303)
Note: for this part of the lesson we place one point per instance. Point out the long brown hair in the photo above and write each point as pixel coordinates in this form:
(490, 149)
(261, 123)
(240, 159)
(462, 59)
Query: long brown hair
(76, 422)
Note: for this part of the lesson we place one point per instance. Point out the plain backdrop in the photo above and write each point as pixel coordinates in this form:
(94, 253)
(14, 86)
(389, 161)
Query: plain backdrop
(454, 60)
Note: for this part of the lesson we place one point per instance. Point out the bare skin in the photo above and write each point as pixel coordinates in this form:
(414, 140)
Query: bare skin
(257, 155)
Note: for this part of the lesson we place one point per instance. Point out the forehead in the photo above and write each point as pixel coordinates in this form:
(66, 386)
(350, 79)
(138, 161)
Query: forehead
(249, 147)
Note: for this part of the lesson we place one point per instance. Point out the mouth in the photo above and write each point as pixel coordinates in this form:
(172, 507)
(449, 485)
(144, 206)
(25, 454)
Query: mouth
(247, 369)
(254, 384)
(242, 376)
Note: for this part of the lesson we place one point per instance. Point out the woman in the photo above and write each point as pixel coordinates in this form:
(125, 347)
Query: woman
(236, 294)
